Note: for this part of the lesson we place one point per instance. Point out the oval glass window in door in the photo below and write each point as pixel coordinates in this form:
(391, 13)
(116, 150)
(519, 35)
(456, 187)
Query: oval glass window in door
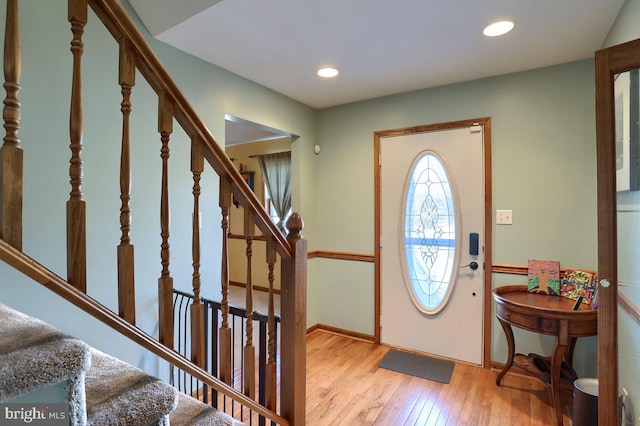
(429, 238)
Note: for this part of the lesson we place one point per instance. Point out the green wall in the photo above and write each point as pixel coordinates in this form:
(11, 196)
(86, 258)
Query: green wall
(45, 94)
(543, 142)
(625, 28)
(543, 169)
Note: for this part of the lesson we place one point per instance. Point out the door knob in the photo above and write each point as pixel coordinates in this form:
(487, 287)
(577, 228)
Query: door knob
(472, 265)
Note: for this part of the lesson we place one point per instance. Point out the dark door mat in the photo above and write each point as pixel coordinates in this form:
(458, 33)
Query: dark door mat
(426, 367)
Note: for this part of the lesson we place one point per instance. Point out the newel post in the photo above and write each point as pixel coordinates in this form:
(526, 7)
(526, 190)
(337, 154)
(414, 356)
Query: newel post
(293, 311)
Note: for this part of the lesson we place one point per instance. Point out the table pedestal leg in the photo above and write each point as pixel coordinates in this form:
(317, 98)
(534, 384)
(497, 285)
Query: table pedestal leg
(508, 332)
(559, 349)
(568, 356)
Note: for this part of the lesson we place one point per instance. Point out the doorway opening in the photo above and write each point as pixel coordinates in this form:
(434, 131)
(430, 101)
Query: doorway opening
(245, 141)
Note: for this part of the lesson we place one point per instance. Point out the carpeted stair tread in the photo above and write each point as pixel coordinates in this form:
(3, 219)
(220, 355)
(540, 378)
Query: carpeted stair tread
(120, 394)
(34, 355)
(191, 412)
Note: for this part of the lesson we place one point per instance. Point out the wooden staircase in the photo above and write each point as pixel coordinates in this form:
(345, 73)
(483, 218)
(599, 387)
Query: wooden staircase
(285, 393)
(100, 389)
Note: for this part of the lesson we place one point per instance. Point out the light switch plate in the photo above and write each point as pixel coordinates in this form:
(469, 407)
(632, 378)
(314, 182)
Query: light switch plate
(504, 217)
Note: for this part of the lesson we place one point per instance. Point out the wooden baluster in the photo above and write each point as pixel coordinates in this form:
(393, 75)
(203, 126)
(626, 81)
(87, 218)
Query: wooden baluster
(76, 208)
(293, 329)
(165, 282)
(126, 280)
(249, 376)
(270, 373)
(11, 155)
(197, 307)
(225, 330)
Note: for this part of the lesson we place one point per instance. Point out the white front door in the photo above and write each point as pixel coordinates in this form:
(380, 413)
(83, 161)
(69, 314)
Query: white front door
(431, 242)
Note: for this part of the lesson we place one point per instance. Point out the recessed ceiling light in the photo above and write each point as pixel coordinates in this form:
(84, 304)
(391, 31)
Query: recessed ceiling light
(327, 72)
(498, 28)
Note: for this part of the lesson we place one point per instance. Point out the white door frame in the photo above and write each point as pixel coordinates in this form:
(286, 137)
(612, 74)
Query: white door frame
(485, 122)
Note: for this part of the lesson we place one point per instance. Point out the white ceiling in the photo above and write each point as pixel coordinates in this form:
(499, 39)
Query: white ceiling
(381, 47)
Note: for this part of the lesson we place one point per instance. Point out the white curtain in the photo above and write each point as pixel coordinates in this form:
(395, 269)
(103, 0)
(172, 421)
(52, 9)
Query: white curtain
(276, 171)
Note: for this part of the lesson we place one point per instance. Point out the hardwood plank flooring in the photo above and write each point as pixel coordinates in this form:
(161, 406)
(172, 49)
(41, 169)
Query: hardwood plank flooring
(346, 387)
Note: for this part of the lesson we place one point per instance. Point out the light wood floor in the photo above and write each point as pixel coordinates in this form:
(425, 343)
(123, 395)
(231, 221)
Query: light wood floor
(346, 387)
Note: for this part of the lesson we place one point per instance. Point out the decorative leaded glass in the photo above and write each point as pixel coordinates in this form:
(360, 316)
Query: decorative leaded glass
(429, 241)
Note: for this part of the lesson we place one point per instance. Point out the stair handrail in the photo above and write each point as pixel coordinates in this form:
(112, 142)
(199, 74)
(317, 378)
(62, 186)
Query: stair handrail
(120, 25)
(292, 249)
(53, 282)
(137, 53)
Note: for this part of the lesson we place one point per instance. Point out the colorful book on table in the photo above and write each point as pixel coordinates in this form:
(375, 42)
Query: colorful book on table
(576, 284)
(544, 277)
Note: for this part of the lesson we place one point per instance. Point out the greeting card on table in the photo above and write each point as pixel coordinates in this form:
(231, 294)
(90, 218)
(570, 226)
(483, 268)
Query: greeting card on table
(544, 277)
(579, 283)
